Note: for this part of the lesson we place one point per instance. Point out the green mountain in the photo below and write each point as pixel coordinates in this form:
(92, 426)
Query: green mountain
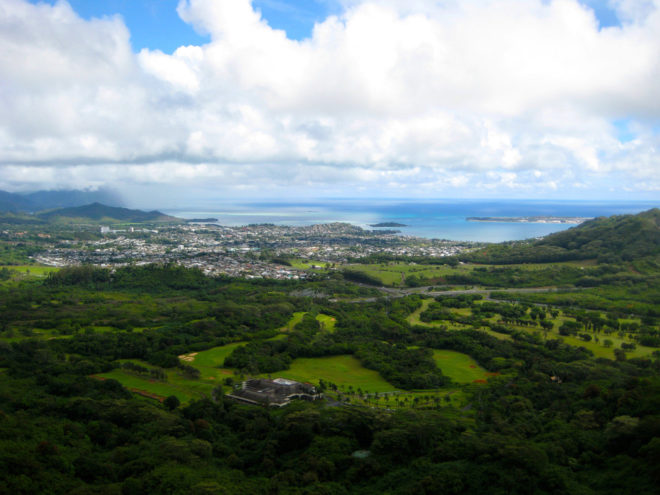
(11, 202)
(607, 239)
(98, 212)
(46, 200)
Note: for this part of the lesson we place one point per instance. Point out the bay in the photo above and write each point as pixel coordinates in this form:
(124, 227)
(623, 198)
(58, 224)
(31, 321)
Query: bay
(432, 219)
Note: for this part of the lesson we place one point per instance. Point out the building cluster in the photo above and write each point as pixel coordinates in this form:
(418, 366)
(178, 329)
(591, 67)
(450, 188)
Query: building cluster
(275, 393)
(247, 251)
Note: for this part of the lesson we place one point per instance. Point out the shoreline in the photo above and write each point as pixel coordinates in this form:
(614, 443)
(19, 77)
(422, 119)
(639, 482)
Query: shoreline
(534, 219)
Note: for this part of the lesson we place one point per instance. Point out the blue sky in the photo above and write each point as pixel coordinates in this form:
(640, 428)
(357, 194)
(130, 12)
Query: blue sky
(154, 24)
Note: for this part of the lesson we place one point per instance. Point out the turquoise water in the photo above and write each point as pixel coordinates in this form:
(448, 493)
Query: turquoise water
(439, 219)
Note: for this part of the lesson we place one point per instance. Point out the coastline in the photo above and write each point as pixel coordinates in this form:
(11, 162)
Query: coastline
(439, 219)
(539, 219)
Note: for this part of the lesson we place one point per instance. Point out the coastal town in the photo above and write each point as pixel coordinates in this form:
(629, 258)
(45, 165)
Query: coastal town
(252, 251)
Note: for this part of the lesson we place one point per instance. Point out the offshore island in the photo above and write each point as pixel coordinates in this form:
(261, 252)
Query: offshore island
(388, 224)
(538, 219)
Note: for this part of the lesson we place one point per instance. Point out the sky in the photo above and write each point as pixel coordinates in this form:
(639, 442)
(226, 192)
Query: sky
(176, 101)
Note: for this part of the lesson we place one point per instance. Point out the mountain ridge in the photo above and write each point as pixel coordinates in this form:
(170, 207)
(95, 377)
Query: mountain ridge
(37, 201)
(103, 213)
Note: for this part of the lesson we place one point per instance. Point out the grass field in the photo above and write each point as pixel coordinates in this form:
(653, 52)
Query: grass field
(32, 270)
(343, 370)
(413, 319)
(458, 366)
(23, 272)
(295, 319)
(395, 274)
(597, 348)
(327, 322)
(542, 266)
(35, 333)
(183, 391)
(501, 336)
(307, 264)
(210, 360)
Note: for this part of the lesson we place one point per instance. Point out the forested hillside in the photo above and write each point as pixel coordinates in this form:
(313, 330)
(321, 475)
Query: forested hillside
(44, 200)
(116, 381)
(100, 212)
(606, 239)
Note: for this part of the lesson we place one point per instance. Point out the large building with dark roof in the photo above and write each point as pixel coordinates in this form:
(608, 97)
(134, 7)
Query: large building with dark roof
(277, 393)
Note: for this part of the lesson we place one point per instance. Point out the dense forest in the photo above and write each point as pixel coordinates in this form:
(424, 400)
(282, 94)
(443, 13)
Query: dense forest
(569, 402)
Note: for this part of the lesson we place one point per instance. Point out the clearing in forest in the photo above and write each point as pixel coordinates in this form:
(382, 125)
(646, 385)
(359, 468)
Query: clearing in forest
(460, 367)
(344, 371)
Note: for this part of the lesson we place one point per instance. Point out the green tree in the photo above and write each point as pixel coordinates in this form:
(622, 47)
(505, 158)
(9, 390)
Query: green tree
(172, 402)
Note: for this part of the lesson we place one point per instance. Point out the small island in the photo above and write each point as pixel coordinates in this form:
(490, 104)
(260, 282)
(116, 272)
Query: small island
(388, 224)
(201, 220)
(539, 219)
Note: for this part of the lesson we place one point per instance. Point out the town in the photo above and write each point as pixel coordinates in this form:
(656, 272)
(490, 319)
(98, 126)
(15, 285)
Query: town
(252, 251)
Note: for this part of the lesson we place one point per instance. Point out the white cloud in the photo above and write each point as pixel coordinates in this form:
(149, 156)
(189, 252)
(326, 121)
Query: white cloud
(428, 96)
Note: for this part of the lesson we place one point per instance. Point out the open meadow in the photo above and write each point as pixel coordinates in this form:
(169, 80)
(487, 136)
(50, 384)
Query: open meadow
(395, 274)
(460, 367)
(352, 380)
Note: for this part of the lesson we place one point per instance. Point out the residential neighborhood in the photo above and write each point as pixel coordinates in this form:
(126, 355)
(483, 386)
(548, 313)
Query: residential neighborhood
(252, 251)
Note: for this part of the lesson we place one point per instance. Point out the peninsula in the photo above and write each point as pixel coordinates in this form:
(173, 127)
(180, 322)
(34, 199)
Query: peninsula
(538, 219)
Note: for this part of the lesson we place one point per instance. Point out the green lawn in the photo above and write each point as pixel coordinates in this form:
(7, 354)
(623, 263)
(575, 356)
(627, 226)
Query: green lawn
(393, 274)
(183, 391)
(211, 358)
(307, 264)
(15, 335)
(413, 319)
(23, 272)
(327, 322)
(458, 366)
(542, 266)
(449, 399)
(342, 370)
(597, 348)
(32, 270)
(295, 319)
(501, 336)
(345, 371)
(208, 362)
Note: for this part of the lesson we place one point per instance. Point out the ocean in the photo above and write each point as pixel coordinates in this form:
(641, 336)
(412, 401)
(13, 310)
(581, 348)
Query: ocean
(437, 219)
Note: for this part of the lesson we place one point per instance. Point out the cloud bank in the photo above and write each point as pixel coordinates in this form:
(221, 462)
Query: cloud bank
(435, 98)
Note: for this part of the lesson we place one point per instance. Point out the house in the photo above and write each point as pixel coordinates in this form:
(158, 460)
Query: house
(276, 393)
